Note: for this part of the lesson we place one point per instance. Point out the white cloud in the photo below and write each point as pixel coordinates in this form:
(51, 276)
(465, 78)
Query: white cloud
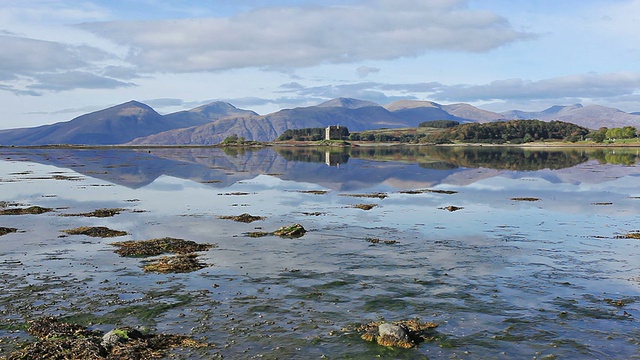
(364, 71)
(284, 37)
(621, 88)
(573, 86)
(22, 56)
(75, 80)
(30, 66)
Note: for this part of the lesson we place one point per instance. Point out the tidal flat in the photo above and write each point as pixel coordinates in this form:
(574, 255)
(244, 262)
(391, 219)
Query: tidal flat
(540, 258)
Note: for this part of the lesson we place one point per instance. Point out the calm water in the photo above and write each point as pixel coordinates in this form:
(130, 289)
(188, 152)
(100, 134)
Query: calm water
(503, 278)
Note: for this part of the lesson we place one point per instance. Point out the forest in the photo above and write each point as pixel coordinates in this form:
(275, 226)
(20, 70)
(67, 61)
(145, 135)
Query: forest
(313, 134)
(498, 132)
(512, 131)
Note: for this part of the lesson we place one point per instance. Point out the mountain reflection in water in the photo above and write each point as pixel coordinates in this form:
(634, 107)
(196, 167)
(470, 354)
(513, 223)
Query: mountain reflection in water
(336, 168)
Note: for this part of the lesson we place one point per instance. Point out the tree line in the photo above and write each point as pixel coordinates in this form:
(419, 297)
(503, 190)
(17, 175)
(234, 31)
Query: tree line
(604, 133)
(512, 131)
(498, 132)
(313, 134)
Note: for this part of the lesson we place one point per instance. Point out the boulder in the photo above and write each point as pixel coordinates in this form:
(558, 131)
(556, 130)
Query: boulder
(119, 335)
(395, 331)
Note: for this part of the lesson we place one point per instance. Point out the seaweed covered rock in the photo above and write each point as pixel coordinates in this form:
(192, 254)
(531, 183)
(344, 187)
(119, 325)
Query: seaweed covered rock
(292, 231)
(155, 247)
(365, 207)
(451, 208)
(60, 340)
(402, 334)
(100, 213)
(245, 218)
(7, 230)
(95, 231)
(394, 335)
(118, 336)
(181, 263)
(33, 210)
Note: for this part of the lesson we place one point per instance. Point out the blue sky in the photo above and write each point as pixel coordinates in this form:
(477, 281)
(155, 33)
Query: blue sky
(61, 59)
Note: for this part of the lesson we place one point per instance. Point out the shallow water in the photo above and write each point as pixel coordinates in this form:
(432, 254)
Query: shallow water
(502, 278)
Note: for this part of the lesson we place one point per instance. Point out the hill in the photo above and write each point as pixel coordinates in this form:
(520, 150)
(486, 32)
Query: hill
(115, 125)
(592, 116)
(138, 124)
(355, 114)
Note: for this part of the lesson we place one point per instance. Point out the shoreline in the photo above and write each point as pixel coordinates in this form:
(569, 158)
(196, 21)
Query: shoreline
(323, 145)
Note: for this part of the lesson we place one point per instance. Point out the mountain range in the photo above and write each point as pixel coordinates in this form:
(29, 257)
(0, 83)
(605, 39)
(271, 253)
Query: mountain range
(134, 123)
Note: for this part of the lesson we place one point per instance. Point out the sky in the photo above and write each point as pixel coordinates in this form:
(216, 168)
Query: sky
(61, 59)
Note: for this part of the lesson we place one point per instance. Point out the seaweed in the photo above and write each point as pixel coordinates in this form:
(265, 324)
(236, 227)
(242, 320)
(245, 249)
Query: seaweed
(100, 213)
(95, 231)
(7, 230)
(181, 263)
(245, 218)
(34, 210)
(155, 247)
(60, 340)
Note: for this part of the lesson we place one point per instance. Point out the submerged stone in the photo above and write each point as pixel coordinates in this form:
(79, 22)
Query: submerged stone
(7, 230)
(100, 213)
(631, 236)
(245, 218)
(531, 199)
(371, 196)
(257, 234)
(451, 208)
(35, 210)
(96, 231)
(155, 247)
(181, 263)
(294, 231)
(365, 206)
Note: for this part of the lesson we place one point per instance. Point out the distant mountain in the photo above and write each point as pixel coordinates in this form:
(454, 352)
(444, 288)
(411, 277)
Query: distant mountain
(250, 127)
(355, 114)
(347, 103)
(420, 111)
(592, 116)
(468, 113)
(115, 125)
(415, 112)
(207, 113)
(135, 123)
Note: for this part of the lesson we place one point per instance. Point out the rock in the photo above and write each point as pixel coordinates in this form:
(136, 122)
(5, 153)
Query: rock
(117, 336)
(95, 231)
(395, 331)
(245, 218)
(294, 231)
(451, 208)
(6, 230)
(111, 339)
(400, 334)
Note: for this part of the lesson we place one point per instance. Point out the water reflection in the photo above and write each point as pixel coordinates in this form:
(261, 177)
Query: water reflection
(520, 278)
(336, 168)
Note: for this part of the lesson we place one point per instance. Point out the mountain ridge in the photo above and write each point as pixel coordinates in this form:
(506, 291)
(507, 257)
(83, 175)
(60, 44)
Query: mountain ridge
(135, 123)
